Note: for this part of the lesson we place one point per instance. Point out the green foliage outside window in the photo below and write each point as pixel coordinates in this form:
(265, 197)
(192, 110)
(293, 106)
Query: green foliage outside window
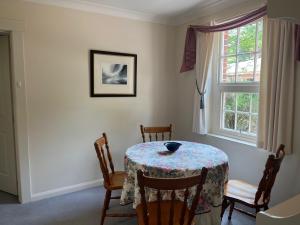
(241, 111)
(247, 39)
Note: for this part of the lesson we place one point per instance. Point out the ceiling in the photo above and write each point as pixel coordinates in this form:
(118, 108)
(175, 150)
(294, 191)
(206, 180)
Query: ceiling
(172, 12)
(157, 7)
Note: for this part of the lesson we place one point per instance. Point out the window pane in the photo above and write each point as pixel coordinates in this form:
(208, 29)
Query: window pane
(253, 128)
(240, 112)
(247, 38)
(245, 68)
(259, 34)
(229, 64)
(258, 68)
(243, 102)
(229, 101)
(254, 103)
(229, 120)
(242, 122)
(230, 42)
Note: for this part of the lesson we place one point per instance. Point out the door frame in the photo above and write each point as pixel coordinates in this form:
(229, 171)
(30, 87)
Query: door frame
(16, 31)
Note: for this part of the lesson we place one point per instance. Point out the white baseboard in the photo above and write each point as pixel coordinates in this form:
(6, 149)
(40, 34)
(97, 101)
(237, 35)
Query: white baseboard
(66, 190)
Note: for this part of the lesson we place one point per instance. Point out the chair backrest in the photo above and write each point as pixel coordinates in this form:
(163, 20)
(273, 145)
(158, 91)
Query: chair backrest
(156, 132)
(271, 169)
(171, 184)
(103, 153)
(280, 153)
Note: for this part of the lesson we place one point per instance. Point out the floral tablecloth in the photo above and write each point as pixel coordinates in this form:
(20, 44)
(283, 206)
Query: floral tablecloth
(187, 161)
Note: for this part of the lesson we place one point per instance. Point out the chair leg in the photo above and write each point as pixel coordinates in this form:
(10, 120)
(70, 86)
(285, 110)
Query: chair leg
(108, 193)
(224, 206)
(231, 210)
(105, 206)
(257, 210)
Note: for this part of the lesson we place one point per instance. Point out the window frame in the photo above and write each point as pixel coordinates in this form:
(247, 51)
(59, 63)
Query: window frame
(218, 88)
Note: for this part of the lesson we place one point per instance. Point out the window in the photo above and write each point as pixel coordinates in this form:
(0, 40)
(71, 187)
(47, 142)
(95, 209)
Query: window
(237, 85)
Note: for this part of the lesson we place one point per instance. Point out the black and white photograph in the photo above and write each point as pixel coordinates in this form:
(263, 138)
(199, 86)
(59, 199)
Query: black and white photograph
(113, 74)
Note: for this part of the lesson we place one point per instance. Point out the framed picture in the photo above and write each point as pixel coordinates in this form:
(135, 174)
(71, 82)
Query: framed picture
(113, 74)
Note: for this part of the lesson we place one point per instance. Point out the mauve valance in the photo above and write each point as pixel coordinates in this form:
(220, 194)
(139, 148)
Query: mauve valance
(189, 57)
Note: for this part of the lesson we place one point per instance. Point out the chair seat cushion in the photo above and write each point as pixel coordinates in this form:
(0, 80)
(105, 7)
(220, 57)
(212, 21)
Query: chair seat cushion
(165, 212)
(116, 180)
(242, 191)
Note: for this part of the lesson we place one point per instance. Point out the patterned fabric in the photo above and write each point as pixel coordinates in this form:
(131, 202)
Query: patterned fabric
(188, 160)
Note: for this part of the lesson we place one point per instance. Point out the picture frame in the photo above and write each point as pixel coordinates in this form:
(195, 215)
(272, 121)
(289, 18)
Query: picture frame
(112, 74)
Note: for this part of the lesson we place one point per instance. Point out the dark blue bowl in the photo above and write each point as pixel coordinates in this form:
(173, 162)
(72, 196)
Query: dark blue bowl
(172, 145)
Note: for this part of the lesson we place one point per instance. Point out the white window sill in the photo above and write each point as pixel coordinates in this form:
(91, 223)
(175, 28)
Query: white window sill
(252, 144)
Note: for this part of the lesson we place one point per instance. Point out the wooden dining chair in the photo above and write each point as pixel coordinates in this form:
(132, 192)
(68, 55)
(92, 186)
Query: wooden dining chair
(257, 197)
(157, 132)
(168, 212)
(113, 180)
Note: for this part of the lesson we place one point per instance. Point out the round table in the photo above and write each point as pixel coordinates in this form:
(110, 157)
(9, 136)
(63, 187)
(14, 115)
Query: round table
(188, 160)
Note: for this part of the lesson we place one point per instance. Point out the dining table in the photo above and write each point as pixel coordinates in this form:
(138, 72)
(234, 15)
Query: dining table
(154, 159)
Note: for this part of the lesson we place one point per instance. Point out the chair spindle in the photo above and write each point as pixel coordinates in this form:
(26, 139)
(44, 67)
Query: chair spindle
(172, 208)
(108, 154)
(186, 194)
(157, 132)
(159, 208)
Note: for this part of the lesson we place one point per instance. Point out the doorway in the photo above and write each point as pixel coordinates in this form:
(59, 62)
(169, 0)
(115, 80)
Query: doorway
(8, 170)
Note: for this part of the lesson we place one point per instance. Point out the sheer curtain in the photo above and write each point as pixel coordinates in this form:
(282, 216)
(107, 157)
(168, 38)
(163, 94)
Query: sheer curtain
(203, 70)
(277, 85)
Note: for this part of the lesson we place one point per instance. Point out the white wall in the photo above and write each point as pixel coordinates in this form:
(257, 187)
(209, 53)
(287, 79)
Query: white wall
(63, 120)
(246, 162)
(284, 9)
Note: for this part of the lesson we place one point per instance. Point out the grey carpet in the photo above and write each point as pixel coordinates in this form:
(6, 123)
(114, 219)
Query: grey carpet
(79, 208)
